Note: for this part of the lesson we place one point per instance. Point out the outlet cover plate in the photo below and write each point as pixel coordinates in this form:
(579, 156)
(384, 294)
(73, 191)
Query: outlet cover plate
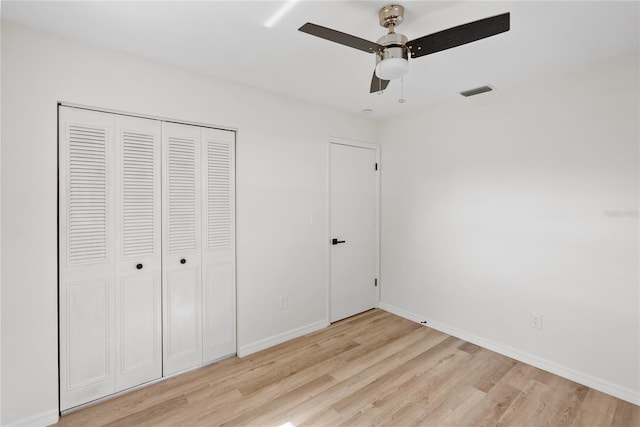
(536, 320)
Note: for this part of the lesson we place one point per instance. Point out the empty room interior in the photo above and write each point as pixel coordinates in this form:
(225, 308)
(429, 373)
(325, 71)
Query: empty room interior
(287, 213)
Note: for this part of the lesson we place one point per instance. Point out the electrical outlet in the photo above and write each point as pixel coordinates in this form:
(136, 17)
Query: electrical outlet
(284, 301)
(536, 320)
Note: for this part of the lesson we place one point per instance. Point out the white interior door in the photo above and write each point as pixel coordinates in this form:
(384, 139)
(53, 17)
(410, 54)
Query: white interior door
(182, 255)
(353, 230)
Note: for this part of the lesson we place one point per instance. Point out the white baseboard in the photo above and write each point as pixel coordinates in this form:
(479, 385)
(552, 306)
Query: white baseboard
(254, 347)
(402, 313)
(42, 419)
(544, 364)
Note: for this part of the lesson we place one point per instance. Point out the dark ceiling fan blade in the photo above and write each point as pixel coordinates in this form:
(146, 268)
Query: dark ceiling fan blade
(378, 84)
(457, 36)
(340, 37)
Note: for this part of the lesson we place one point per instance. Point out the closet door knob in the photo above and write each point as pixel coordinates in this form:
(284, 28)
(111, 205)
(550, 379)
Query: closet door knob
(183, 261)
(139, 266)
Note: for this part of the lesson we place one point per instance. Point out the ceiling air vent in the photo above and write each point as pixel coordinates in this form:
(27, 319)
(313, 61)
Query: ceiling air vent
(476, 91)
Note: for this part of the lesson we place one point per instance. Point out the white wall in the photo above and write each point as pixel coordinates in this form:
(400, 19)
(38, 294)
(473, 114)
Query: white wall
(281, 182)
(523, 200)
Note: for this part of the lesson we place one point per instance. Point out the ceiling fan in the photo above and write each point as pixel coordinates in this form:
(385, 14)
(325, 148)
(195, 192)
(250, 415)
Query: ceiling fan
(392, 50)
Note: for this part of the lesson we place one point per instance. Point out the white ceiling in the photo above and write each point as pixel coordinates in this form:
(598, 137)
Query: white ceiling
(227, 39)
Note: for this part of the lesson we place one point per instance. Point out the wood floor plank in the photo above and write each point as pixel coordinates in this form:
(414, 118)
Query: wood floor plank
(495, 369)
(445, 384)
(358, 370)
(350, 389)
(565, 401)
(451, 411)
(488, 411)
(374, 369)
(397, 376)
(151, 415)
(418, 387)
(394, 382)
(597, 408)
(528, 407)
(520, 376)
(357, 380)
(626, 414)
(469, 348)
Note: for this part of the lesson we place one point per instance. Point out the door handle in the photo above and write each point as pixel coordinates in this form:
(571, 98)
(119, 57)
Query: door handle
(336, 241)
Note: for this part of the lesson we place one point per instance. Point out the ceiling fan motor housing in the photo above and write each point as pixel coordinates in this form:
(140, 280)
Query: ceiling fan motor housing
(391, 16)
(392, 62)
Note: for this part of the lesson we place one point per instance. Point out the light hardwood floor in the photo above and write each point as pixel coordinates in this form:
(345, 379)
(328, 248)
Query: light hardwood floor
(371, 369)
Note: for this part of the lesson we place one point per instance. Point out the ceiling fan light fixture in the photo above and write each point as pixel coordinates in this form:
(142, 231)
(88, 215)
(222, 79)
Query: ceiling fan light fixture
(392, 68)
(392, 62)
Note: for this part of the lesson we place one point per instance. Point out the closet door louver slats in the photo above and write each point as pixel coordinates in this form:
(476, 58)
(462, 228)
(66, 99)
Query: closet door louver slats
(219, 196)
(182, 195)
(87, 197)
(138, 192)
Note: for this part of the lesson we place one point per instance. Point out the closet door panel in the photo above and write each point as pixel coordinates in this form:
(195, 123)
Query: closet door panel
(139, 317)
(86, 256)
(219, 313)
(182, 293)
(183, 340)
(219, 298)
(139, 266)
(88, 335)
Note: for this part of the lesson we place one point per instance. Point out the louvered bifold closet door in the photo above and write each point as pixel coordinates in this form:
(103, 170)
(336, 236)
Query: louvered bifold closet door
(110, 254)
(181, 210)
(86, 256)
(138, 242)
(142, 205)
(218, 279)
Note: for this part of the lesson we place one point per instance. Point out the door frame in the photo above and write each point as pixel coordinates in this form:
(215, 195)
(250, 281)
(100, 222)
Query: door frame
(358, 144)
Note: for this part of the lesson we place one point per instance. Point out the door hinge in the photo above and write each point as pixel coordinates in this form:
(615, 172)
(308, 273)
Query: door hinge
(375, 282)
(376, 166)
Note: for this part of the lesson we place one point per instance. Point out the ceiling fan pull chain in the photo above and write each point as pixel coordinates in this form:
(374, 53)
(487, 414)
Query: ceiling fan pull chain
(401, 100)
